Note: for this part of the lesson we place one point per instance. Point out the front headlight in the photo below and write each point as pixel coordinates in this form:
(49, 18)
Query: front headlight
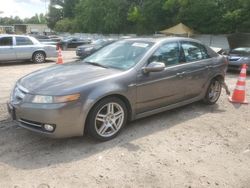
(42, 99)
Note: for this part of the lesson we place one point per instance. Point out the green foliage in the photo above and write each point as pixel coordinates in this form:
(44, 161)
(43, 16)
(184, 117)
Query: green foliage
(54, 14)
(37, 19)
(100, 16)
(143, 16)
(65, 25)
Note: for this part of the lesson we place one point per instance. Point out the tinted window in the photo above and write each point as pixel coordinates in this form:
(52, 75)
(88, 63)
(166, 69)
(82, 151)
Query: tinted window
(6, 41)
(241, 51)
(23, 41)
(167, 53)
(194, 52)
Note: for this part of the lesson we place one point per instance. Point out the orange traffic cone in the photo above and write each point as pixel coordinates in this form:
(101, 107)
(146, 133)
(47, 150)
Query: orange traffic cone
(239, 95)
(59, 58)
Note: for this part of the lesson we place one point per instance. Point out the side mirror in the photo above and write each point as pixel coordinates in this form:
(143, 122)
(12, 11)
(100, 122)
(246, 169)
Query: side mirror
(154, 67)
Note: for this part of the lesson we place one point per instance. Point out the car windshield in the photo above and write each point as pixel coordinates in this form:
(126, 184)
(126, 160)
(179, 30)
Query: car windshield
(241, 51)
(121, 55)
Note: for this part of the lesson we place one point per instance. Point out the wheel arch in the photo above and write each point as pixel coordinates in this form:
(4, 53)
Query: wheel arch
(119, 96)
(219, 77)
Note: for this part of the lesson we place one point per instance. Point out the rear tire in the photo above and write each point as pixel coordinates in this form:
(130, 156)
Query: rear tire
(39, 57)
(106, 119)
(213, 92)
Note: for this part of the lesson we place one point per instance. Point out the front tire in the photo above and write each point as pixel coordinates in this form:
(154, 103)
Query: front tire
(106, 119)
(213, 92)
(39, 57)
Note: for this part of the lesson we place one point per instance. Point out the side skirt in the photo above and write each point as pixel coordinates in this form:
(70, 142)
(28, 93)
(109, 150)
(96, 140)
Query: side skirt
(169, 107)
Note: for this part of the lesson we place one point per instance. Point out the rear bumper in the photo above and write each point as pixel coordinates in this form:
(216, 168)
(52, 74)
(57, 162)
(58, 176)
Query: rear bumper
(66, 118)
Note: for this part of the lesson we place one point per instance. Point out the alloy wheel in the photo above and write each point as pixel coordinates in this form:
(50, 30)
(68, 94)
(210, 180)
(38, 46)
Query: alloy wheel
(39, 58)
(214, 91)
(109, 119)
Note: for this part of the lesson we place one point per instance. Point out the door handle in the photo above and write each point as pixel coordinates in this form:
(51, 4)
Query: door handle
(209, 66)
(180, 74)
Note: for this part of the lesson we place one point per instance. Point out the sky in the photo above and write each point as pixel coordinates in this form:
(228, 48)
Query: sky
(22, 8)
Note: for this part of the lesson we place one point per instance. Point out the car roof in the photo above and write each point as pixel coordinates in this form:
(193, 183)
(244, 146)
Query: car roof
(13, 35)
(162, 39)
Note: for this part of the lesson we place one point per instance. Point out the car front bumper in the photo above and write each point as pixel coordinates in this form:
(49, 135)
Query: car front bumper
(235, 65)
(67, 118)
(82, 53)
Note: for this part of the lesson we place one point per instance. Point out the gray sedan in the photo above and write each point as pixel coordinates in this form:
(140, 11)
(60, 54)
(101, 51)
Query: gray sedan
(237, 57)
(124, 81)
(19, 47)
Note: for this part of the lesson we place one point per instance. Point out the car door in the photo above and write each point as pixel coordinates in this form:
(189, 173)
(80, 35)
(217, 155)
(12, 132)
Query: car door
(159, 89)
(197, 65)
(7, 52)
(75, 42)
(24, 48)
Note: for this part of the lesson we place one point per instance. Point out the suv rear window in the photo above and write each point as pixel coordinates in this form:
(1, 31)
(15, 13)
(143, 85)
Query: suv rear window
(6, 41)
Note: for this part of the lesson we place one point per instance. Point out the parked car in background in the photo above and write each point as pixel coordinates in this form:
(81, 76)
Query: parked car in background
(239, 56)
(45, 39)
(127, 80)
(20, 47)
(88, 49)
(72, 42)
(55, 38)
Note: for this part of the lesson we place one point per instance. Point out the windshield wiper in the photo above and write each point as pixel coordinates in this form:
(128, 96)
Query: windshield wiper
(96, 64)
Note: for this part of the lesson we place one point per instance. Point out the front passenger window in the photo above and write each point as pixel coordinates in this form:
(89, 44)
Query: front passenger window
(167, 53)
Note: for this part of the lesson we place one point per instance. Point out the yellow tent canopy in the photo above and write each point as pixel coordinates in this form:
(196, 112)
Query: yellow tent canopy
(179, 29)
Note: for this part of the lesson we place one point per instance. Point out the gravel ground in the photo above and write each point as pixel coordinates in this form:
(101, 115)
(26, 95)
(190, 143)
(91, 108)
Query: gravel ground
(192, 146)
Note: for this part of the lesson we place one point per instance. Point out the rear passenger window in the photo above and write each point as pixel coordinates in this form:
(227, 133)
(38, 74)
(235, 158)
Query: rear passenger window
(20, 41)
(6, 41)
(167, 53)
(194, 51)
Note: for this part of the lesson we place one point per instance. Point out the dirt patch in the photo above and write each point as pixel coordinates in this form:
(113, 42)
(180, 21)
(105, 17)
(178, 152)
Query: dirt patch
(192, 146)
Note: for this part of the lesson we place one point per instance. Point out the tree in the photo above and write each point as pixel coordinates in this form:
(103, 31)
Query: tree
(100, 16)
(54, 14)
(65, 25)
(37, 19)
(147, 16)
(69, 8)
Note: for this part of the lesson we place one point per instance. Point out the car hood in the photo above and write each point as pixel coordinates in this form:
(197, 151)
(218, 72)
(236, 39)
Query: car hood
(85, 46)
(64, 79)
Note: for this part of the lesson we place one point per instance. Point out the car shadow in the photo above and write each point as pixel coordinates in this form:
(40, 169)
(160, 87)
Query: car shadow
(23, 149)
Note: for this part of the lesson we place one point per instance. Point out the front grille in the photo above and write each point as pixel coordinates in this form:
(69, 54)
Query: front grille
(234, 59)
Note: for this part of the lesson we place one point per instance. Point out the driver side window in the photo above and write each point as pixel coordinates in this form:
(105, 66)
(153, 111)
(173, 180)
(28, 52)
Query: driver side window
(168, 54)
